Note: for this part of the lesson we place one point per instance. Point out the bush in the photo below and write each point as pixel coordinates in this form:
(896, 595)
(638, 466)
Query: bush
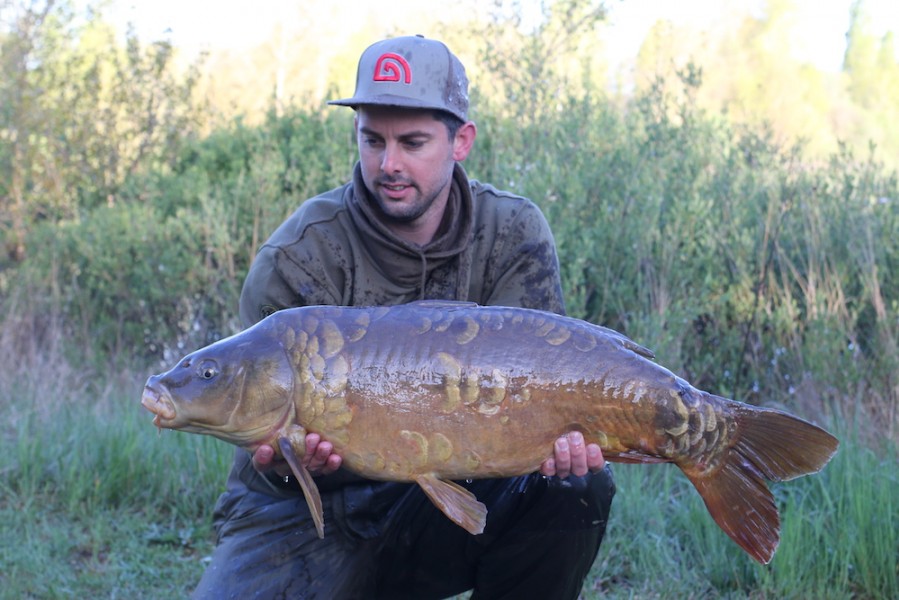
(159, 270)
(749, 270)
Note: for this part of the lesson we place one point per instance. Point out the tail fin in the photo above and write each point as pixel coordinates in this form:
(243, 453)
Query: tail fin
(770, 445)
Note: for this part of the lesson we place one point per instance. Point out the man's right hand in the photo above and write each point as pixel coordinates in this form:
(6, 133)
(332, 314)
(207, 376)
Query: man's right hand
(319, 458)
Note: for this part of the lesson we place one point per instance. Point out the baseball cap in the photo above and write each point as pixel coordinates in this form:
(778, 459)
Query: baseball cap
(412, 72)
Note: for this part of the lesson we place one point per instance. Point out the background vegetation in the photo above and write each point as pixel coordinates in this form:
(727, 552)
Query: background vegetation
(756, 262)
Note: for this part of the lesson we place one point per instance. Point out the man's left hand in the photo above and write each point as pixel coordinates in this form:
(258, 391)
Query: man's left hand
(572, 457)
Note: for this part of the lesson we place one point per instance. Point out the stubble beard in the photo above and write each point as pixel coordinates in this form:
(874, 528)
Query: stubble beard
(409, 210)
(403, 211)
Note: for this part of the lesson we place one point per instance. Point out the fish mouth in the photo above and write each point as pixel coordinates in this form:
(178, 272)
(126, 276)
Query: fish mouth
(160, 404)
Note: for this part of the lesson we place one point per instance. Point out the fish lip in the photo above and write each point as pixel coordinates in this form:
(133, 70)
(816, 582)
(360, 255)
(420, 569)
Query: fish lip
(159, 403)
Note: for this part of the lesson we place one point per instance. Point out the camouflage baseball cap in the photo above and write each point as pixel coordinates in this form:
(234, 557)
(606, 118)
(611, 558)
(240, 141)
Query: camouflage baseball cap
(412, 72)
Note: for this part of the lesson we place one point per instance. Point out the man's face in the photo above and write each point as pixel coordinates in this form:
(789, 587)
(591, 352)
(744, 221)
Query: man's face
(407, 162)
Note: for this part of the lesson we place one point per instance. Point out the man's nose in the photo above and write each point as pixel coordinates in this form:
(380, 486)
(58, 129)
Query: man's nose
(391, 160)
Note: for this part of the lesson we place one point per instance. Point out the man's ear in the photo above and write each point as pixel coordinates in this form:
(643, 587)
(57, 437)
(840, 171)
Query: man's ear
(464, 141)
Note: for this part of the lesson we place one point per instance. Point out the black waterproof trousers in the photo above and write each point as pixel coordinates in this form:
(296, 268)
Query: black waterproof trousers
(386, 540)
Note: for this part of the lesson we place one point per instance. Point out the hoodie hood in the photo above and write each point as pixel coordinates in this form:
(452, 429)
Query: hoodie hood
(409, 264)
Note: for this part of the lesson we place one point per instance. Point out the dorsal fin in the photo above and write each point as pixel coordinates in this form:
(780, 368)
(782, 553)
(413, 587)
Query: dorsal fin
(445, 304)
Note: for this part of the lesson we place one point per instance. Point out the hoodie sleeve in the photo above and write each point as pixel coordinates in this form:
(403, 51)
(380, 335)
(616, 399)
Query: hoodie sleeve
(264, 290)
(304, 262)
(526, 263)
(287, 277)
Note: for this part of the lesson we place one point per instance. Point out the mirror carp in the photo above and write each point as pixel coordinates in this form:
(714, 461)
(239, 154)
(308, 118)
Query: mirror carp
(434, 391)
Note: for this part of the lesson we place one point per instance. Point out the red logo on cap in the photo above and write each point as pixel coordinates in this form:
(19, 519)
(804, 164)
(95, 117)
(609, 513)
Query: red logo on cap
(392, 67)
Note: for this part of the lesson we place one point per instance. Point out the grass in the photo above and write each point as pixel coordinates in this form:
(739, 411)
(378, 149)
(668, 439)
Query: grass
(95, 503)
(839, 536)
(98, 553)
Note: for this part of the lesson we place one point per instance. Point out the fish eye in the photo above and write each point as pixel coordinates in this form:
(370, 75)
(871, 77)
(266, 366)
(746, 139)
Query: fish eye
(207, 370)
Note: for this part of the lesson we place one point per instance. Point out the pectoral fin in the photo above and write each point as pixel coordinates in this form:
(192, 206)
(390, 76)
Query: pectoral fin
(456, 502)
(307, 484)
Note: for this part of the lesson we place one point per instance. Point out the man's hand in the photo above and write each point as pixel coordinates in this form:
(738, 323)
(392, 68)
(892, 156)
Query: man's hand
(572, 457)
(319, 458)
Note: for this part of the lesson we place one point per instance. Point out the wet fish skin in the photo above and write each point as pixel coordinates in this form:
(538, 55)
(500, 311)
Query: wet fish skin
(435, 391)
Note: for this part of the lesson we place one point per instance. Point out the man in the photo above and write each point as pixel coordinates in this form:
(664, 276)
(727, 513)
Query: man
(410, 225)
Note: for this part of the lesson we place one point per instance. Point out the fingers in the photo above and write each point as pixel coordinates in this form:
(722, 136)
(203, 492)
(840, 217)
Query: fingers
(595, 460)
(320, 458)
(548, 468)
(331, 464)
(571, 456)
(263, 456)
(265, 460)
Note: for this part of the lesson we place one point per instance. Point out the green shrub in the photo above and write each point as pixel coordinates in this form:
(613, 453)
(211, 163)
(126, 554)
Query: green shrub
(159, 270)
(750, 271)
(133, 282)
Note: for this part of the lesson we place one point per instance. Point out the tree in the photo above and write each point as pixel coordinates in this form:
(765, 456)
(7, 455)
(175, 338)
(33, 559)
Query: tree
(748, 73)
(531, 64)
(79, 113)
(18, 121)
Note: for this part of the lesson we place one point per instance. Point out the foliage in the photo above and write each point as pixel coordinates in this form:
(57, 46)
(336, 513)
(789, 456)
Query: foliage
(749, 270)
(871, 66)
(79, 114)
(528, 71)
(752, 79)
(160, 269)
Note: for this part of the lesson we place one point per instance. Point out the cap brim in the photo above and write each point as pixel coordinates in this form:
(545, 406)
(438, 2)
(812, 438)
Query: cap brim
(391, 100)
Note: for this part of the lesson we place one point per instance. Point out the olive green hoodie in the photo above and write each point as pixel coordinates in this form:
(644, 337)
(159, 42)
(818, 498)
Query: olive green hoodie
(491, 248)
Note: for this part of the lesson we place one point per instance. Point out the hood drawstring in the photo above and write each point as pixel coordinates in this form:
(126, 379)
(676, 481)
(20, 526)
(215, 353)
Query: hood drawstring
(424, 276)
(462, 276)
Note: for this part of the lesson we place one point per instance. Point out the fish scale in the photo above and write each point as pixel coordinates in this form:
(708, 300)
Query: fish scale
(437, 391)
